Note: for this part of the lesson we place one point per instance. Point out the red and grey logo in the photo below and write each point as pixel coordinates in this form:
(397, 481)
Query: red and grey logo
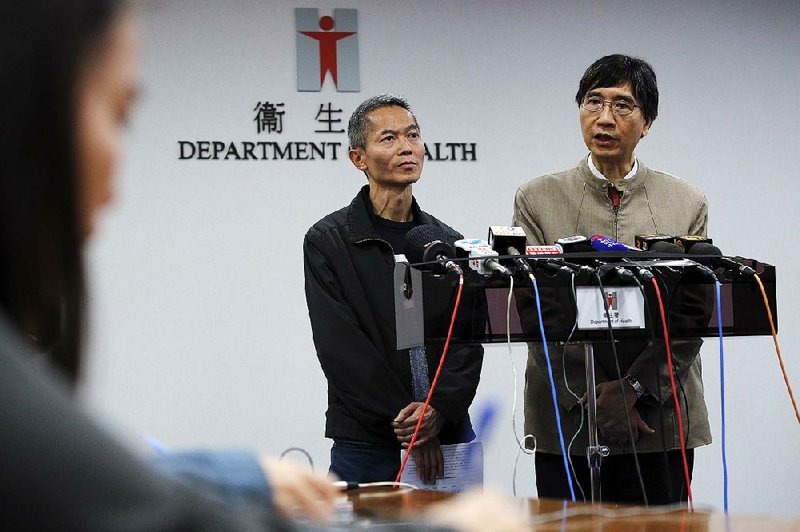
(327, 45)
(612, 300)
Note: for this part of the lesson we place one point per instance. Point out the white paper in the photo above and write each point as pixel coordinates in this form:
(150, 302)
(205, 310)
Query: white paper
(625, 303)
(463, 468)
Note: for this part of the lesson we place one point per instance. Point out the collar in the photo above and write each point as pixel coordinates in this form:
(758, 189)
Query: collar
(633, 180)
(597, 173)
(361, 217)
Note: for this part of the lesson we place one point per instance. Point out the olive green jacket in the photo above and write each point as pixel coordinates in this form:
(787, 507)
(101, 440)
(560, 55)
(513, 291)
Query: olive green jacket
(576, 202)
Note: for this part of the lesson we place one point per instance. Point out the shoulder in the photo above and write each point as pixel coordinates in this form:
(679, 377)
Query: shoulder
(658, 179)
(550, 183)
(333, 223)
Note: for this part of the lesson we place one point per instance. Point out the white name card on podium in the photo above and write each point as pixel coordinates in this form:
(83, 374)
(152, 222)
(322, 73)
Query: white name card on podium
(625, 305)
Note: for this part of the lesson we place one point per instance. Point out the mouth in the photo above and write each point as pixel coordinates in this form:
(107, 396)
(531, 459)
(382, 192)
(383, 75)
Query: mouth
(407, 165)
(604, 139)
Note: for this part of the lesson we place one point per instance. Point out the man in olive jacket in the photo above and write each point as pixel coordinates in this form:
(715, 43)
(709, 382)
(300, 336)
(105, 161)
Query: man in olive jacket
(612, 193)
(349, 263)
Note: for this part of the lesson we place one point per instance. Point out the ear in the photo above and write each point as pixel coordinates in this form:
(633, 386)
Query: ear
(358, 158)
(645, 129)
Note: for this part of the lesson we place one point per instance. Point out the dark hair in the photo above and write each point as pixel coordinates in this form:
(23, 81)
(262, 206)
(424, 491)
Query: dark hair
(43, 44)
(613, 71)
(358, 126)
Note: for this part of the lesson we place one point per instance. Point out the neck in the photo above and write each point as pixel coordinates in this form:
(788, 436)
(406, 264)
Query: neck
(613, 170)
(391, 203)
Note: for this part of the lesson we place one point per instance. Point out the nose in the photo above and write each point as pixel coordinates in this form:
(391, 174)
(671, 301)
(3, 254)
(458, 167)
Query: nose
(405, 146)
(605, 115)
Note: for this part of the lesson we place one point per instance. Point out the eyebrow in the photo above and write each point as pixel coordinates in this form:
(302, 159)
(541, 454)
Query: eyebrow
(623, 97)
(394, 131)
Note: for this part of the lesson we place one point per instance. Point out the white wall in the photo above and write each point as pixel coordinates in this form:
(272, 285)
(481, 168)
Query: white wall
(200, 332)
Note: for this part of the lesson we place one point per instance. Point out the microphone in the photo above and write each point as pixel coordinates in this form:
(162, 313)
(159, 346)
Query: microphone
(550, 263)
(555, 249)
(510, 241)
(605, 243)
(666, 248)
(428, 243)
(705, 248)
(686, 242)
(607, 269)
(481, 255)
(575, 244)
(645, 242)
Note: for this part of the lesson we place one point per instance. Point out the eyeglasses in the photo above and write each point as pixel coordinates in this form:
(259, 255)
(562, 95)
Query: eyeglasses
(595, 104)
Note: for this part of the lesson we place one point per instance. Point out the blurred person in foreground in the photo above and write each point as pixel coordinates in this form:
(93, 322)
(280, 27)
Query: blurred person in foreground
(69, 70)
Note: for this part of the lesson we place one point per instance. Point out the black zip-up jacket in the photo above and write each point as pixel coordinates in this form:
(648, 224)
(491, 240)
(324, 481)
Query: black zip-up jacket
(348, 281)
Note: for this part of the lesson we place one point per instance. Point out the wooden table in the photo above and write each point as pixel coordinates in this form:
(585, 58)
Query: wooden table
(555, 515)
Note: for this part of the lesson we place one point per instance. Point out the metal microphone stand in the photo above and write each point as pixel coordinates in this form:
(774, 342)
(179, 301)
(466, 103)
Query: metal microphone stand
(594, 452)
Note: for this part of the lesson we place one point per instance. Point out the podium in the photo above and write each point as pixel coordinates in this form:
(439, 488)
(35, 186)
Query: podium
(574, 308)
(689, 294)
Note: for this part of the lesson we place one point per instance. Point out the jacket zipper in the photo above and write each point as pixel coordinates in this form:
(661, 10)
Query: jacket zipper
(615, 196)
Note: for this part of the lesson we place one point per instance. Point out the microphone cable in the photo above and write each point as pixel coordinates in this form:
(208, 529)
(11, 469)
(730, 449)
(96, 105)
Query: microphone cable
(552, 386)
(674, 394)
(520, 442)
(723, 424)
(574, 297)
(621, 385)
(681, 391)
(656, 371)
(722, 396)
(777, 347)
(435, 377)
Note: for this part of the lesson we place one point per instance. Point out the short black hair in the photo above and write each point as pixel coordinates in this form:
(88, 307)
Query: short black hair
(358, 126)
(617, 69)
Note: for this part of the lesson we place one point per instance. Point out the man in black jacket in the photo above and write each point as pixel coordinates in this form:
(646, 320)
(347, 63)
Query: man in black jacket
(349, 261)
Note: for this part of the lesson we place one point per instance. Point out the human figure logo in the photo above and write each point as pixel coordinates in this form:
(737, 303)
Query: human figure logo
(327, 45)
(612, 300)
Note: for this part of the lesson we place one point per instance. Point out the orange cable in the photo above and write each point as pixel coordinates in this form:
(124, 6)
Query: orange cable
(777, 347)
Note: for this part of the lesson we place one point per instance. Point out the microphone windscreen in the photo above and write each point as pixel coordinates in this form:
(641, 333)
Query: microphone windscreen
(666, 248)
(686, 242)
(704, 248)
(644, 242)
(426, 243)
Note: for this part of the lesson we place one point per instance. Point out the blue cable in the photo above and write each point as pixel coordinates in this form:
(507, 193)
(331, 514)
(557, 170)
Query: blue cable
(553, 388)
(722, 398)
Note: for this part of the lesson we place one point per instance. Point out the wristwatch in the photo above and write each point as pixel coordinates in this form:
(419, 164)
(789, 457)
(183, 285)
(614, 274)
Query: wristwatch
(638, 389)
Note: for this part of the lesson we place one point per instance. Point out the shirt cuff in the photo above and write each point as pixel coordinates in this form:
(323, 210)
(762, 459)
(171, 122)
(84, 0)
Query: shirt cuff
(233, 476)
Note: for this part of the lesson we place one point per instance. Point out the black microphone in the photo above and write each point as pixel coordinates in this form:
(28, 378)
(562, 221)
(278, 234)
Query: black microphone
(510, 241)
(666, 248)
(575, 244)
(645, 242)
(704, 248)
(428, 243)
(687, 241)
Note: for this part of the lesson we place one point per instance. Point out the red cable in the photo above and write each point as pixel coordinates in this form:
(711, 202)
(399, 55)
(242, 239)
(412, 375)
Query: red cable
(435, 378)
(674, 393)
